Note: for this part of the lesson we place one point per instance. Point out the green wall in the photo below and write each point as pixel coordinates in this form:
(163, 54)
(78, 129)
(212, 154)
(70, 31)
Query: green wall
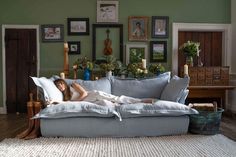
(37, 12)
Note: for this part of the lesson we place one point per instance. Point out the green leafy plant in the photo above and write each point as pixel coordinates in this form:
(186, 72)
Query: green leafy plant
(156, 68)
(136, 69)
(83, 63)
(190, 48)
(110, 64)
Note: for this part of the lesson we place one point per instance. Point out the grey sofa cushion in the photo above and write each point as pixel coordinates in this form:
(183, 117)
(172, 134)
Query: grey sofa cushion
(102, 84)
(143, 88)
(69, 109)
(175, 88)
(159, 108)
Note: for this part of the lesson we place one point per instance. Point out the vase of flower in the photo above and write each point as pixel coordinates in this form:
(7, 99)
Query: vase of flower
(189, 61)
(190, 50)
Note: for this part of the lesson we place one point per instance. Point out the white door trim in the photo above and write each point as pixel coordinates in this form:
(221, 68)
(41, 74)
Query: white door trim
(206, 27)
(3, 109)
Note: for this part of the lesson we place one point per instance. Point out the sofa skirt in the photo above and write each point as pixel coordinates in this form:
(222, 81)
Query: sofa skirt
(112, 127)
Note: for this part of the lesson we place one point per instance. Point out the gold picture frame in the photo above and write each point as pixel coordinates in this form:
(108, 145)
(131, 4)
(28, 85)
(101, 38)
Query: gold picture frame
(138, 28)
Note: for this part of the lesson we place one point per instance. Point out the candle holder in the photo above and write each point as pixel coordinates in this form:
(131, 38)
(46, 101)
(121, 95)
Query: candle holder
(66, 61)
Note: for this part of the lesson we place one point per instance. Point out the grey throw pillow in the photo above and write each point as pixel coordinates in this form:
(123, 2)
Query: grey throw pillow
(140, 88)
(175, 89)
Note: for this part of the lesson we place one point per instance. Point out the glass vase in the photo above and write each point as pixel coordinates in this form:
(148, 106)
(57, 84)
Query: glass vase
(189, 61)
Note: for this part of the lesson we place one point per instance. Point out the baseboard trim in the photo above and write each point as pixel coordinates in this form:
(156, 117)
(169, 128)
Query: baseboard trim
(3, 110)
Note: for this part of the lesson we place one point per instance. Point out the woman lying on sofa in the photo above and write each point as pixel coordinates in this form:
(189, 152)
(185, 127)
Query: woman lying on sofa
(76, 92)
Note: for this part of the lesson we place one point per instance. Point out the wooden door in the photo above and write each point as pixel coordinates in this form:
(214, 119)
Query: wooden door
(210, 45)
(20, 46)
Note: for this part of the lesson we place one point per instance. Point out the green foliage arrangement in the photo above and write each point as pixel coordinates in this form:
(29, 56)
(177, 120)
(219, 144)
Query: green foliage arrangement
(156, 68)
(190, 49)
(110, 64)
(136, 69)
(83, 63)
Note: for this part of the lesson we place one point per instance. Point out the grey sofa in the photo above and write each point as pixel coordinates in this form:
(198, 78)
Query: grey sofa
(167, 116)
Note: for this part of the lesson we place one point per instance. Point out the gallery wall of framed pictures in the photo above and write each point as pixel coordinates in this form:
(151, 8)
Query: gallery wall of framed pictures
(148, 41)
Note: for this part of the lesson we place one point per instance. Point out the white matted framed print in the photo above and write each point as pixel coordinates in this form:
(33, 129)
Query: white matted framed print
(52, 33)
(135, 52)
(160, 25)
(78, 26)
(107, 11)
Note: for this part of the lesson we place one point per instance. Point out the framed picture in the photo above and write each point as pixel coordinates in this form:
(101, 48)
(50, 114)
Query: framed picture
(74, 47)
(158, 51)
(135, 52)
(78, 26)
(160, 25)
(107, 36)
(52, 33)
(107, 11)
(138, 28)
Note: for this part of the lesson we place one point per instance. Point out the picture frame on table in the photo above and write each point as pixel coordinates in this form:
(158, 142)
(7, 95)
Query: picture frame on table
(160, 25)
(138, 28)
(158, 51)
(135, 52)
(74, 47)
(52, 33)
(78, 26)
(107, 11)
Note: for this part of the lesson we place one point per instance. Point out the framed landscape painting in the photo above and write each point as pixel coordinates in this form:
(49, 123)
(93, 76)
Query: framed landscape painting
(158, 51)
(135, 52)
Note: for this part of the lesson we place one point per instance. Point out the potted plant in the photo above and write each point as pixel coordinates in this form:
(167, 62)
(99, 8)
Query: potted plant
(190, 50)
(137, 70)
(110, 65)
(156, 68)
(84, 64)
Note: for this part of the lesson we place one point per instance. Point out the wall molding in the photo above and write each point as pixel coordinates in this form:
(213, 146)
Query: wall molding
(4, 27)
(3, 110)
(207, 27)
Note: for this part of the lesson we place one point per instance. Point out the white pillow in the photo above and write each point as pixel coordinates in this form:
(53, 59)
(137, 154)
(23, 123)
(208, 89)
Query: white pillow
(51, 92)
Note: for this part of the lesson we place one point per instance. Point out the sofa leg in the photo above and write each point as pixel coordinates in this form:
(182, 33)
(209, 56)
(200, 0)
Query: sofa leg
(31, 122)
(36, 130)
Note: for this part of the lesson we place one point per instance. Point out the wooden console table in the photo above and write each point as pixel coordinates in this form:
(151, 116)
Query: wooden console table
(210, 92)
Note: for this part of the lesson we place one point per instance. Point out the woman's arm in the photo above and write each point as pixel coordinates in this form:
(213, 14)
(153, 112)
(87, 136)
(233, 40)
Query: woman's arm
(82, 92)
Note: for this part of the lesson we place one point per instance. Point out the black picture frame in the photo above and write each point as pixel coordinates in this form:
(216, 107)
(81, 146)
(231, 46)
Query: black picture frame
(107, 26)
(160, 25)
(52, 33)
(74, 47)
(78, 26)
(158, 51)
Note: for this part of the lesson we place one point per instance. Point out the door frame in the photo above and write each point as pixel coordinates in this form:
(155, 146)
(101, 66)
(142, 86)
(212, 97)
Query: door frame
(206, 27)
(3, 110)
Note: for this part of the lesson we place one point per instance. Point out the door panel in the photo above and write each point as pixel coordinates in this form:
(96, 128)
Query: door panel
(20, 64)
(210, 45)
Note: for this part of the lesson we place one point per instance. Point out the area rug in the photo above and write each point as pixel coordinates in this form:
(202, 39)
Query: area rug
(164, 146)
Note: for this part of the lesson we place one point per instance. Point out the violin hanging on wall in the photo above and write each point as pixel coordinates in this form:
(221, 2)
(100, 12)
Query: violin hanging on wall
(107, 43)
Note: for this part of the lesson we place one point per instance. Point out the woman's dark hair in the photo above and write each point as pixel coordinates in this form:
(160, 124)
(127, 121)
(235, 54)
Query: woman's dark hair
(66, 93)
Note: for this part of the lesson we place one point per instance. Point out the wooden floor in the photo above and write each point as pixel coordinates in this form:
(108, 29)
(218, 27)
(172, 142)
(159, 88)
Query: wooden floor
(12, 124)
